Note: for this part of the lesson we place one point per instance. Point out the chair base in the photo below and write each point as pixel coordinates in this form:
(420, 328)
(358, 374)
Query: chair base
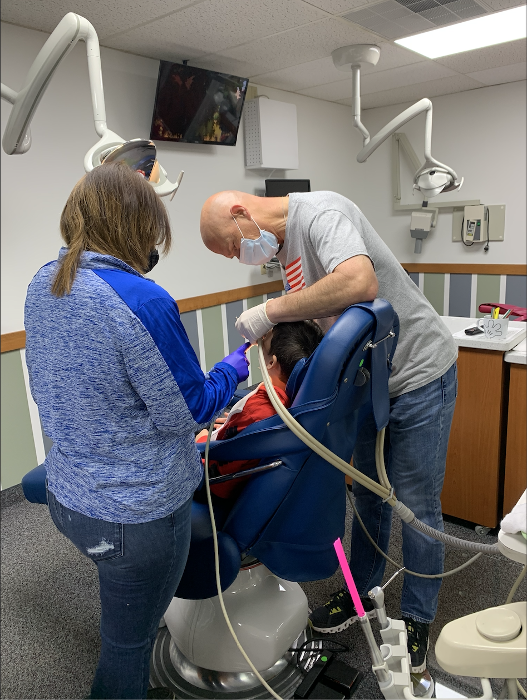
(170, 669)
(267, 613)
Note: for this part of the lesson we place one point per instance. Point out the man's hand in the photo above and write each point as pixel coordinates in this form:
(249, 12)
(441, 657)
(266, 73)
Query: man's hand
(254, 323)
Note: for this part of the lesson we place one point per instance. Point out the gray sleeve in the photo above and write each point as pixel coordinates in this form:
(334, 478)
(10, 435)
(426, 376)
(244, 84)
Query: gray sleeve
(335, 239)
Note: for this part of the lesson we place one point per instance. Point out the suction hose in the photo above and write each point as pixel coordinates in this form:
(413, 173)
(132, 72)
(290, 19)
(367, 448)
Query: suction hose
(382, 489)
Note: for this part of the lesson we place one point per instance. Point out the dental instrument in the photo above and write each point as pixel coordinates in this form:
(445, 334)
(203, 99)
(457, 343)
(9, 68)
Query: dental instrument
(110, 147)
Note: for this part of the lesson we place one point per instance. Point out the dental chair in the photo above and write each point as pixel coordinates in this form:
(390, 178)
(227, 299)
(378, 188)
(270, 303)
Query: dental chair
(283, 525)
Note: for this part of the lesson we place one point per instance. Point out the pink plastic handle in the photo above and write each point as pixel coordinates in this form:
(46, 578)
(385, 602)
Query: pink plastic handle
(349, 578)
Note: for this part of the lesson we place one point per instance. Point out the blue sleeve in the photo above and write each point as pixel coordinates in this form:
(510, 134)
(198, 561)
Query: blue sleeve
(204, 395)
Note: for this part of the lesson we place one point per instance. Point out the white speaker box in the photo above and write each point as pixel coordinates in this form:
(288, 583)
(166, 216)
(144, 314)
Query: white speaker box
(271, 136)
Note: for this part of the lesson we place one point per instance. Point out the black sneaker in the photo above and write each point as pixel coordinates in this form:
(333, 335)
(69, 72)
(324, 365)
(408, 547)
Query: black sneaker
(338, 613)
(417, 644)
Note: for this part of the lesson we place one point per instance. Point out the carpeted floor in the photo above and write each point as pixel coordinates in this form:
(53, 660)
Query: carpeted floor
(50, 606)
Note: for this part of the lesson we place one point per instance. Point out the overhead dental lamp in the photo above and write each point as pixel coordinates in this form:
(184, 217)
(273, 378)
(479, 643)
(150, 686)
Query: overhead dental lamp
(139, 154)
(433, 177)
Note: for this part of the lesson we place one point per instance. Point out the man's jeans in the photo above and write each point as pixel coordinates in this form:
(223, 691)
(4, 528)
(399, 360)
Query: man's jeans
(140, 567)
(415, 455)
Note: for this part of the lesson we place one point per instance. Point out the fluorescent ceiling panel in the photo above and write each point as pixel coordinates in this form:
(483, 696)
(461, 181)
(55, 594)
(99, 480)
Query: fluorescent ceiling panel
(496, 28)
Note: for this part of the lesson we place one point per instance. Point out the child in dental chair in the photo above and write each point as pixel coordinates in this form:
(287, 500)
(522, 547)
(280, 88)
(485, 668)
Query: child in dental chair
(283, 347)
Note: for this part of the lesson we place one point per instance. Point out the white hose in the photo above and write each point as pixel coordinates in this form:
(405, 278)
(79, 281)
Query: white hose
(401, 568)
(515, 586)
(383, 491)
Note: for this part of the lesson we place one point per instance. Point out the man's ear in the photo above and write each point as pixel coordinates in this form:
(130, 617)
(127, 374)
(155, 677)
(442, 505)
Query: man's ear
(238, 210)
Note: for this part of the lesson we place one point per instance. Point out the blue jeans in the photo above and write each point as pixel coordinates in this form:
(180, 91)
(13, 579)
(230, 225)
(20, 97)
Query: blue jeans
(139, 567)
(415, 450)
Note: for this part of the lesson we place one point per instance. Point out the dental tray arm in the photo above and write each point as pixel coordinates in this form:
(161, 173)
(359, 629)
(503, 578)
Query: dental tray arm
(17, 136)
(370, 145)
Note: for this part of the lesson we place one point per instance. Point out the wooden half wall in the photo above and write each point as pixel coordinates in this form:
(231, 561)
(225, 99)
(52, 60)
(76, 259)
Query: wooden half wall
(17, 340)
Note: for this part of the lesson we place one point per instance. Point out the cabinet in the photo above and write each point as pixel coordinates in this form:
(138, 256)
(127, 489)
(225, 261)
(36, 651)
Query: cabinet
(516, 455)
(474, 469)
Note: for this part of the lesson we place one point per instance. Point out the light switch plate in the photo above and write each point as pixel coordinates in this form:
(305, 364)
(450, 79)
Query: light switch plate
(496, 223)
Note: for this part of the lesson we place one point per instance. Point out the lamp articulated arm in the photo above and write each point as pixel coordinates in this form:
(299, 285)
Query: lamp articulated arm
(17, 135)
(431, 178)
(431, 167)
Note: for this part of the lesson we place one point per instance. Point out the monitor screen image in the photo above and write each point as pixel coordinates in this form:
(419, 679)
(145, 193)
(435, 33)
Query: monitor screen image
(279, 188)
(194, 105)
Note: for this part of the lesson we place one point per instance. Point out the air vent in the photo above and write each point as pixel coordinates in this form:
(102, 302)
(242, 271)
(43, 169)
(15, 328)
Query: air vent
(394, 19)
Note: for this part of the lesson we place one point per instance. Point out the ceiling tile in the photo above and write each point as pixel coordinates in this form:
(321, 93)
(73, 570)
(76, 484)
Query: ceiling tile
(224, 64)
(214, 25)
(488, 57)
(385, 80)
(106, 17)
(504, 74)
(307, 43)
(336, 7)
(504, 4)
(322, 71)
(412, 93)
(153, 47)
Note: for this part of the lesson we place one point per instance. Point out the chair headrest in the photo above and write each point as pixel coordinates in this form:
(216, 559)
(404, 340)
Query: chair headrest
(296, 377)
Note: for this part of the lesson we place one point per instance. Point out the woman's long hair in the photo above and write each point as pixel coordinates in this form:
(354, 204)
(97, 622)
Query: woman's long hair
(114, 211)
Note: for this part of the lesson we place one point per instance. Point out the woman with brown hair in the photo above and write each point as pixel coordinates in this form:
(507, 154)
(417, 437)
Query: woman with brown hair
(121, 393)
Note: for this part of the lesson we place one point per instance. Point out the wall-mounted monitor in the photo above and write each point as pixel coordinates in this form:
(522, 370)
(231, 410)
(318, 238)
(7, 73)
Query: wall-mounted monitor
(279, 188)
(194, 105)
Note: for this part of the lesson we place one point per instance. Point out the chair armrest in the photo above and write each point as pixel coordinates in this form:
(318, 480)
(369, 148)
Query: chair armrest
(245, 472)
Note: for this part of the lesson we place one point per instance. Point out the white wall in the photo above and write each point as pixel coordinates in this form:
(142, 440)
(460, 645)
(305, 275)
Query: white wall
(481, 134)
(35, 186)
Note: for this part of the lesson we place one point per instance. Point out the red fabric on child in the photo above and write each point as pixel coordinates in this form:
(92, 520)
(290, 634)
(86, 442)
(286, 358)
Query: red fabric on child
(253, 407)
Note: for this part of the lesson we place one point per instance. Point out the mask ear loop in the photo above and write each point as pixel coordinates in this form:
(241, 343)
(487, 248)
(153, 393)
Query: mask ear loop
(238, 225)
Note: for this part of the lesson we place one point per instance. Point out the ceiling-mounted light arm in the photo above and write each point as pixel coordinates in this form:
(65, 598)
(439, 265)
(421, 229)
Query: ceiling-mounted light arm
(431, 178)
(17, 137)
(391, 128)
(8, 94)
(355, 96)
(66, 34)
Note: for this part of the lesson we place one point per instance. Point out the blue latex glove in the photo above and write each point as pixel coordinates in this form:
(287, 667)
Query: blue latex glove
(238, 360)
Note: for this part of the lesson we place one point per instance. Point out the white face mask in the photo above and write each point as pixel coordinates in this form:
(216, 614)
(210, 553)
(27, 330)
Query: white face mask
(258, 250)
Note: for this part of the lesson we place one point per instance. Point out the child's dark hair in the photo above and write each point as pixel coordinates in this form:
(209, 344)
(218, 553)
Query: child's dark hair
(293, 340)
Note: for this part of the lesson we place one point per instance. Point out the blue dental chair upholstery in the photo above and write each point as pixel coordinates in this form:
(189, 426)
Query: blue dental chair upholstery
(288, 517)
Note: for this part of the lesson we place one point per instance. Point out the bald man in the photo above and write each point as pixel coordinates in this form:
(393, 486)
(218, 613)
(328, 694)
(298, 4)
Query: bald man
(331, 257)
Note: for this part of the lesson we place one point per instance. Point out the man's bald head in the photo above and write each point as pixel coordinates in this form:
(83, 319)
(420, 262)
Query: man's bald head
(221, 234)
(216, 222)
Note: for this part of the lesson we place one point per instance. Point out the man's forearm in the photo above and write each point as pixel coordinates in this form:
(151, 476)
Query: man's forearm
(327, 297)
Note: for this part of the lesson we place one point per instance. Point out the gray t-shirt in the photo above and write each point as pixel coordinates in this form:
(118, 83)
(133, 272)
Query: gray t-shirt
(323, 230)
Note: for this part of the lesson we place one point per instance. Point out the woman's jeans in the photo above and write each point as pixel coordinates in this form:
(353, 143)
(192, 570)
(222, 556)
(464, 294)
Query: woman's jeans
(415, 450)
(140, 567)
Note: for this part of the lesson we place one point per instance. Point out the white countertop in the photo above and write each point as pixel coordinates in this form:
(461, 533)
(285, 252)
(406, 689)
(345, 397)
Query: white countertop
(518, 355)
(457, 324)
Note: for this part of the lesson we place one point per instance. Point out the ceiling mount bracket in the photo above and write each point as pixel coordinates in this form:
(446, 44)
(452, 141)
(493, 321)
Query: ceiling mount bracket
(355, 55)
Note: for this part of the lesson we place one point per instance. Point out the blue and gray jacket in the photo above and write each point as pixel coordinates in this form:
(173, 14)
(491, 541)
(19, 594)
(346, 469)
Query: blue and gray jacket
(120, 391)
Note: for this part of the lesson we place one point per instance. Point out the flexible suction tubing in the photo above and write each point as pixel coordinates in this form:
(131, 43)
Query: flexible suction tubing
(382, 489)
